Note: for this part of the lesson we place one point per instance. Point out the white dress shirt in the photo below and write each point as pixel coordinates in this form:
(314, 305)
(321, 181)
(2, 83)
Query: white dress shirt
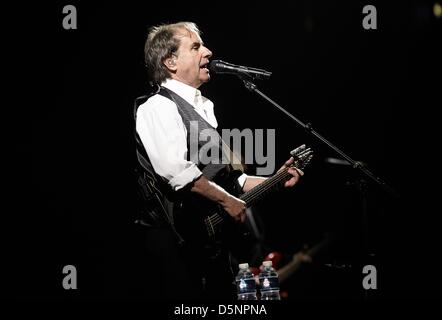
(164, 135)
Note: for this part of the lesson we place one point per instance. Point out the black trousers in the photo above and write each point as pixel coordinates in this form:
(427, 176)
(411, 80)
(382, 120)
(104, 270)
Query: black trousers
(183, 272)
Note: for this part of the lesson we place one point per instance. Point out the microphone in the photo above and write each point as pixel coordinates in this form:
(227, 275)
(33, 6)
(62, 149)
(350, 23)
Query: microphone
(219, 66)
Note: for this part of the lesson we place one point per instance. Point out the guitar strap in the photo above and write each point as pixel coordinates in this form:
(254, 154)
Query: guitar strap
(235, 162)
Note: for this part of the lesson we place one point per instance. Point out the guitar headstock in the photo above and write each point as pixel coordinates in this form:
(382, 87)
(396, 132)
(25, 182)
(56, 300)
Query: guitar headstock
(302, 156)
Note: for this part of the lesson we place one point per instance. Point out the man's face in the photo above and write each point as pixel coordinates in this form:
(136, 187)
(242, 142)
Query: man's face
(191, 60)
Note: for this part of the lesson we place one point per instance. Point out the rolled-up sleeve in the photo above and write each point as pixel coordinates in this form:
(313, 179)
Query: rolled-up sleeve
(164, 137)
(242, 180)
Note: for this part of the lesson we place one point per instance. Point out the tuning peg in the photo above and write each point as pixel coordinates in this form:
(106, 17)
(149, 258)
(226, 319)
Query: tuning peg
(306, 151)
(306, 162)
(304, 155)
(302, 163)
(297, 150)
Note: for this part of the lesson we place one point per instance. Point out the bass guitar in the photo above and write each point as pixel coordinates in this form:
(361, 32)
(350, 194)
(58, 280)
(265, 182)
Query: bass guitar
(210, 224)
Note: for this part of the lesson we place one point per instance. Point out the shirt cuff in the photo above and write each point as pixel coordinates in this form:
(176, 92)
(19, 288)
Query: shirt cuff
(185, 177)
(242, 180)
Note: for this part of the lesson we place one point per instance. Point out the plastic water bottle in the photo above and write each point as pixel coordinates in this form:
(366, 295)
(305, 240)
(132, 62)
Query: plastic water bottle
(269, 282)
(245, 283)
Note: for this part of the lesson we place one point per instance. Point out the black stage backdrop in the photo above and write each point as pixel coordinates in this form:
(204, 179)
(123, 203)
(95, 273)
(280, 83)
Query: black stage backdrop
(371, 92)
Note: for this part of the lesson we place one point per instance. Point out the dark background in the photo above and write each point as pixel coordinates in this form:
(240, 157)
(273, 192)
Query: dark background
(373, 93)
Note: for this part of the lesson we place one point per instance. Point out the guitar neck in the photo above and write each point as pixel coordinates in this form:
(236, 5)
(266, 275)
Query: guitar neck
(302, 155)
(258, 192)
(249, 198)
(286, 271)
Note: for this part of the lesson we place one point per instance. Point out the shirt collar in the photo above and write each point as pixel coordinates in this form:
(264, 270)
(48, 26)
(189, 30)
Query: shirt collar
(185, 91)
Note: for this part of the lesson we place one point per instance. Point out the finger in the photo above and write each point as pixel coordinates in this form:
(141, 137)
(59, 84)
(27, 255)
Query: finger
(295, 172)
(299, 171)
(289, 161)
(290, 183)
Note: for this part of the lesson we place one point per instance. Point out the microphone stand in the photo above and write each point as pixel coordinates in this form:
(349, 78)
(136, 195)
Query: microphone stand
(358, 166)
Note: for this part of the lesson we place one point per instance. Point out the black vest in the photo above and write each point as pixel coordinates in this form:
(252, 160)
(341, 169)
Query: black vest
(152, 187)
(195, 124)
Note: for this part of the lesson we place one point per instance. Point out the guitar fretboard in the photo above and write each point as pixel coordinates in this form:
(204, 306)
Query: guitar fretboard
(302, 155)
(251, 197)
(258, 192)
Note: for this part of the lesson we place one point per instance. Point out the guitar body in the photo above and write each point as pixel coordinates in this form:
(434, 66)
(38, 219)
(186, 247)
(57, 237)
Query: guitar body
(204, 224)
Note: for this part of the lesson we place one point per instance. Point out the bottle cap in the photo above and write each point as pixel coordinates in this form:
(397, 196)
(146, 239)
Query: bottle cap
(243, 266)
(267, 263)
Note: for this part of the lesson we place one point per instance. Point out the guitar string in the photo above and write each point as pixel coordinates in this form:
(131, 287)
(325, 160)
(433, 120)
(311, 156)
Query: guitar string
(215, 218)
(262, 186)
(256, 192)
(260, 189)
(209, 228)
(266, 185)
(270, 181)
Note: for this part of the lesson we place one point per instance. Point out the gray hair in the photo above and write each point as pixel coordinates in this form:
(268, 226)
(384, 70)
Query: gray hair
(161, 44)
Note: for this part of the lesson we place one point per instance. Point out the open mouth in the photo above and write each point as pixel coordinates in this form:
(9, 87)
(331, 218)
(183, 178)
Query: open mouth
(204, 66)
